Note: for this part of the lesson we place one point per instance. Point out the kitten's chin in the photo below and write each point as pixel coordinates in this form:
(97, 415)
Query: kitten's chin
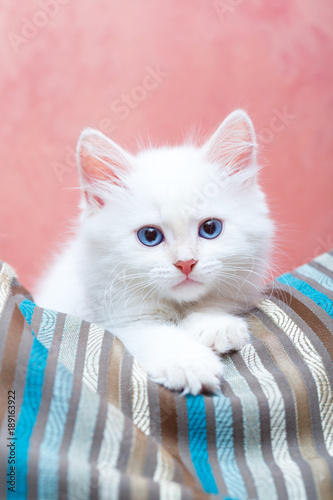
(187, 291)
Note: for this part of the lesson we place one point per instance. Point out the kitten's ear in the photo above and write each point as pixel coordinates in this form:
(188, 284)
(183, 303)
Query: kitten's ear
(233, 145)
(101, 162)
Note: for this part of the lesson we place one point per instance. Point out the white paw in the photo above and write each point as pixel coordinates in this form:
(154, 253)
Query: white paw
(223, 333)
(192, 370)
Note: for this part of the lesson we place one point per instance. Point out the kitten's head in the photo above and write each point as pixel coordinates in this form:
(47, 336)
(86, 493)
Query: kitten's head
(177, 223)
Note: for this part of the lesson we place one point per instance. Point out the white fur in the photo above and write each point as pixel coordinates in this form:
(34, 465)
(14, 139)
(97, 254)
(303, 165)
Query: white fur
(105, 275)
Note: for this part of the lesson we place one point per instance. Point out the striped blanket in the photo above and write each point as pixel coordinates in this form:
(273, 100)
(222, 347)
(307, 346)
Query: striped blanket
(81, 420)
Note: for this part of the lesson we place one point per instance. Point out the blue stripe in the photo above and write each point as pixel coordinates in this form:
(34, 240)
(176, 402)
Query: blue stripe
(319, 298)
(197, 433)
(27, 309)
(225, 448)
(29, 412)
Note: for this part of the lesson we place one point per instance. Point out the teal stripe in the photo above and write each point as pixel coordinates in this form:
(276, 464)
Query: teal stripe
(225, 448)
(319, 298)
(197, 433)
(313, 273)
(27, 309)
(29, 412)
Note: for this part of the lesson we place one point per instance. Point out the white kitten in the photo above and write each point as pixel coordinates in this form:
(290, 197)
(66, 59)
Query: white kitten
(170, 246)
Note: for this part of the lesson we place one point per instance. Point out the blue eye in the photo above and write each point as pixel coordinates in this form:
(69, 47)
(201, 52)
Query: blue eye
(210, 229)
(150, 236)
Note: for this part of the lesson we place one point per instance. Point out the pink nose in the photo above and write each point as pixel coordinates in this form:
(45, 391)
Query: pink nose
(186, 266)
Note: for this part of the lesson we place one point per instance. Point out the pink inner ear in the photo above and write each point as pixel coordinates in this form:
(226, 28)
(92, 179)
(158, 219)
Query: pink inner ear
(234, 144)
(97, 199)
(97, 168)
(240, 157)
(100, 160)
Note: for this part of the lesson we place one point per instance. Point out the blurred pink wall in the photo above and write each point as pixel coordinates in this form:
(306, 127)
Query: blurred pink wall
(66, 64)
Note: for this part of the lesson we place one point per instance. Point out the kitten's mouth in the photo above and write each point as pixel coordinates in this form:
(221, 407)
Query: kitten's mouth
(187, 282)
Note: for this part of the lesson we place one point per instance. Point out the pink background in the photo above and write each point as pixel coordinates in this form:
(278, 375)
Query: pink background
(66, 64)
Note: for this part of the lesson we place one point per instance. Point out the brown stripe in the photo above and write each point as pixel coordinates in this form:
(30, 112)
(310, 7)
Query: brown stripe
(43, 412)
(136, 460)
(138, 487)
(200, 495)
(10, 358)
(36, 320)
(73, 407)
(318, 466)
(5, 319)
(20, 292)
(181, 474)
(104, 363)
(312, 319)
(113, 382)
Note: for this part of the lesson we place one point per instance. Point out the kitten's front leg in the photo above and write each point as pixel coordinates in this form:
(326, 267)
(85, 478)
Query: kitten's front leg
(172, 358)
(221, 331)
